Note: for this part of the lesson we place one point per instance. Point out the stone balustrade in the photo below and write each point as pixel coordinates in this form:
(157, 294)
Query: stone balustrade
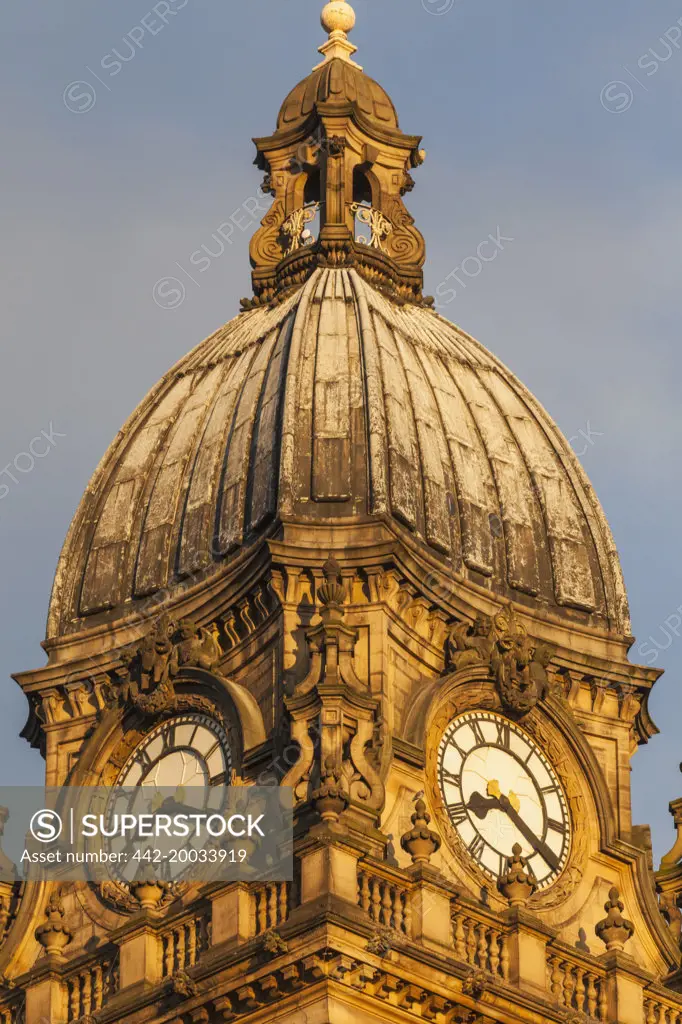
(271, 906)
(91, 988)
(576, 984)
(183, 944)
(481, 942)
(385, 901)
(661, 1010)
(14, 1012)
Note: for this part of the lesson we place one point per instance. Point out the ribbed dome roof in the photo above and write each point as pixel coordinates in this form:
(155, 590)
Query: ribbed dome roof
(338, 81)
(339, 405)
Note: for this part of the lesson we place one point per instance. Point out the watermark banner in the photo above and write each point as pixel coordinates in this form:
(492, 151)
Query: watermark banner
(130, 834)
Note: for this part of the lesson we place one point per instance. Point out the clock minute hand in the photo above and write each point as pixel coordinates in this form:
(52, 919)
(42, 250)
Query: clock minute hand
(538, 845)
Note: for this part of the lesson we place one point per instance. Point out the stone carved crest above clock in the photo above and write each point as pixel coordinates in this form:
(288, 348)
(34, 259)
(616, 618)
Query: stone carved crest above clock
(517, 663)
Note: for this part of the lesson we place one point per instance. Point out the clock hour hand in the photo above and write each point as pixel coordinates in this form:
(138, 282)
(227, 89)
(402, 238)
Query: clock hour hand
(496, 800)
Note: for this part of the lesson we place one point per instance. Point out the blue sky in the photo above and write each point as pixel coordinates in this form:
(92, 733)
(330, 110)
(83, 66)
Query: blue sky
(526, 134)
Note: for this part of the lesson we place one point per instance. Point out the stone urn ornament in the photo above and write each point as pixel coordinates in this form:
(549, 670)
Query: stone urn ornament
(615, 930)
(54, 935)
(330, 798)
(420, 842)
(517, 883)
(149, 892)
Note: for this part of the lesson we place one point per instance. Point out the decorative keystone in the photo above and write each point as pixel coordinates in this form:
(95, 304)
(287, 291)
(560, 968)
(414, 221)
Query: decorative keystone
(518, 883)
(420, 842)
(54, 935)
(330, 798)
(614, 930)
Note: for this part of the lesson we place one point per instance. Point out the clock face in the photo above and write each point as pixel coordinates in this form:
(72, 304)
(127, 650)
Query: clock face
(499, 789)
(190, 750)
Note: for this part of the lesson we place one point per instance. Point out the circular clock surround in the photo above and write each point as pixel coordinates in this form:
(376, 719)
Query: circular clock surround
(498, 788)
(186, 750)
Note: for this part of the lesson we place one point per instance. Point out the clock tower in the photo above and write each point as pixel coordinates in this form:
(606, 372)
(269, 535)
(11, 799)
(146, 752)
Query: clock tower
(339, 548)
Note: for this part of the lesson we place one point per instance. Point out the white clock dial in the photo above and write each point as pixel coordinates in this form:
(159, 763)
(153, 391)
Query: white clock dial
(190, 750)
(180, 754)
(499, 789)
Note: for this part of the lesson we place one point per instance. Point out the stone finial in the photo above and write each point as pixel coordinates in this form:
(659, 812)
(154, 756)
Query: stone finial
(338, 16)
(614, 930)
(517, 883)
(338, 19)
(330, 798)
(54, 935)
(420, 842)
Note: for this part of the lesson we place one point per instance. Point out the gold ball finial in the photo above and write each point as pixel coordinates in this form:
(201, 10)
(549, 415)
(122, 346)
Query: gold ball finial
(338, 16)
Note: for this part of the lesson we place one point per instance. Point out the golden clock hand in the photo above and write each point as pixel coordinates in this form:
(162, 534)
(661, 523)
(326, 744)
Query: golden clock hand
(494, 790)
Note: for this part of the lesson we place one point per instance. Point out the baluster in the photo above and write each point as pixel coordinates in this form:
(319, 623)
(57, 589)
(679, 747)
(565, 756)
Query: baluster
(386, 905)
(580, 989)
(262, 911)
(494, 951)
(398, 911)
(180, 949)
(283, 902)
(603, 1002)
(272, 905)
(460, 946)
(364, 896)
(482, 947)
(591, 995)
(87, 993)
(169, 955)
(662, 1015)
(505, 958)
(375, 912)
(471, 941)
(407, 916)
(192, 944)
(557, 980)
(75, 1001)
(204, 934)
(569, 984)
(98, 986)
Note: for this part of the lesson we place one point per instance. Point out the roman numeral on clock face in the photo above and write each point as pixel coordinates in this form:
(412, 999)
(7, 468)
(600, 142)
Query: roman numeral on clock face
(503, 735)
(478, 732)
(556, 826)
(168, 737)
(476, 847)
(457, 812)
(143, 759)
(449, 778)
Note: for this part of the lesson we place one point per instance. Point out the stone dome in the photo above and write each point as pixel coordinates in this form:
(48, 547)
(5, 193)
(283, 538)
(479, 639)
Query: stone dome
(339, 82)
(340, 406)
